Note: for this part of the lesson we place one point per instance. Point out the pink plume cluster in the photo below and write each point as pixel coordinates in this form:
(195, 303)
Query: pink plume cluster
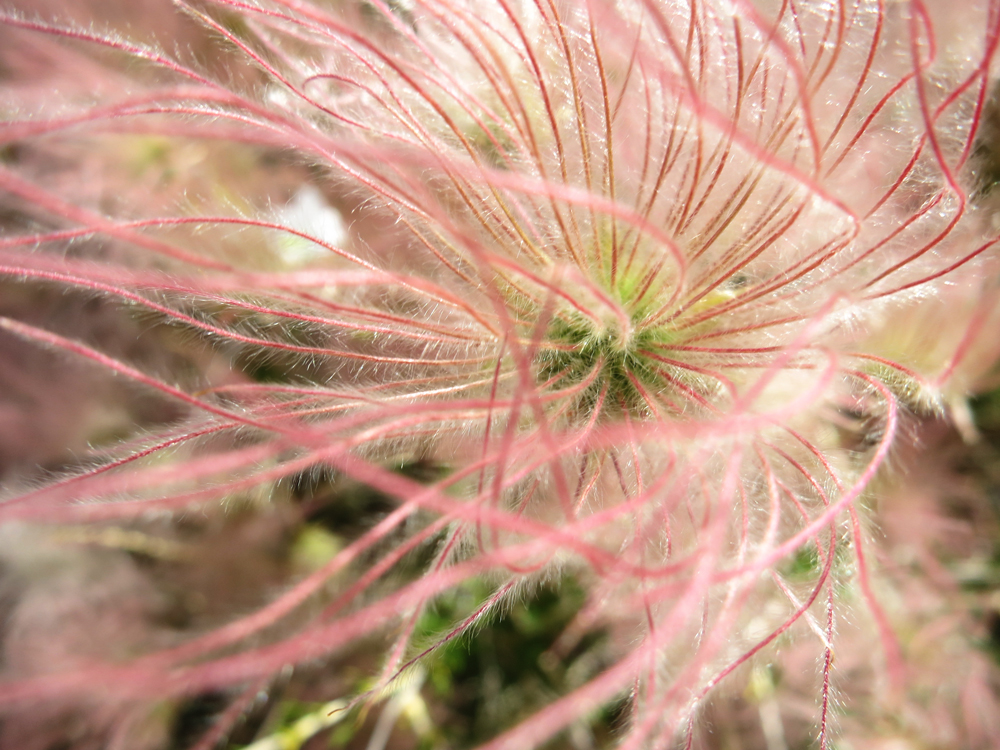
(649, 294)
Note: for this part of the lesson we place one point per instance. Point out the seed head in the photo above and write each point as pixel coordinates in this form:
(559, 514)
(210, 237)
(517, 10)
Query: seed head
(619, 295)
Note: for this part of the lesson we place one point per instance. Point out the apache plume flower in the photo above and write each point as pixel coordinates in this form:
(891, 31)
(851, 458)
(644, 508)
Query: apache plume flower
(637, 292)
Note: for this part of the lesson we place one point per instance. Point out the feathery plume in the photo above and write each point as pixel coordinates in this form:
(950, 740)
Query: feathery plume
(643, 294)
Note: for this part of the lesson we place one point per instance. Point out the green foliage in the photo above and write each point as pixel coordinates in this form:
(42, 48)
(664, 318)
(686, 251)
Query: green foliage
(297, 722)
(804, 566)
(514, 664)
(986, 410)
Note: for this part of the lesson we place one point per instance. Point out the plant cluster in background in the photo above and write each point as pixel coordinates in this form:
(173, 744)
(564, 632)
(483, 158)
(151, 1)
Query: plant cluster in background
(499, 374)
